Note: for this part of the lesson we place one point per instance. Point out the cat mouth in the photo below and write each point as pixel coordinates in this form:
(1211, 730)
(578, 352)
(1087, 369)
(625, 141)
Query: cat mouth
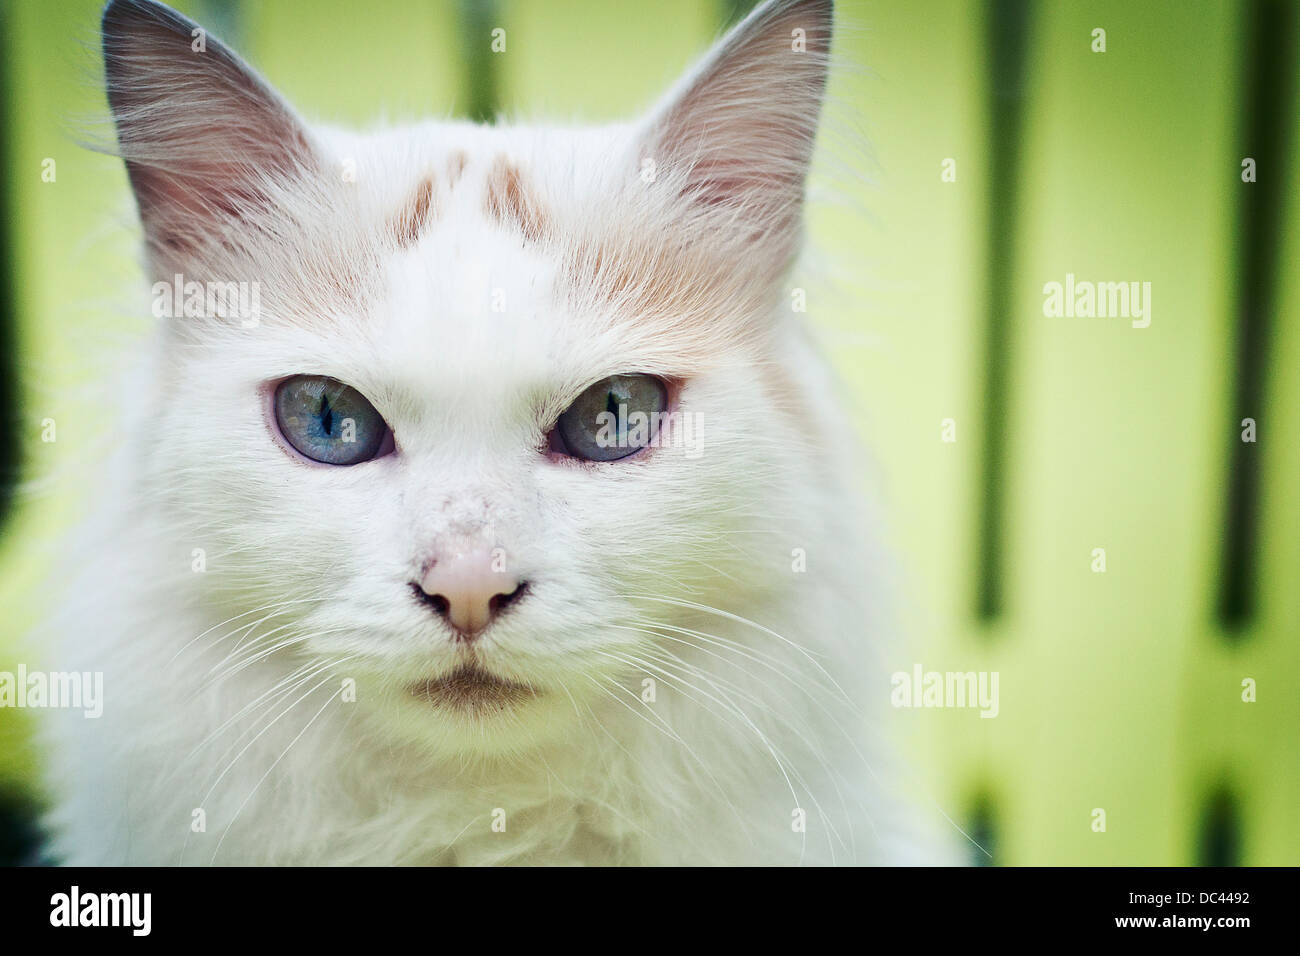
(471, 687)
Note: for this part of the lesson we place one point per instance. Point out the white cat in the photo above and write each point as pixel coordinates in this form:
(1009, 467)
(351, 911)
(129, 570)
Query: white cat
(500, 512)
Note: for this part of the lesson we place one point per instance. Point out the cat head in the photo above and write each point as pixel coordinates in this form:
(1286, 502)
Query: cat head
(477, 414)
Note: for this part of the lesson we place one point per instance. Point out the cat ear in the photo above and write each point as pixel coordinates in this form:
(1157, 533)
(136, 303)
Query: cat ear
(737, 138)
(205, 140)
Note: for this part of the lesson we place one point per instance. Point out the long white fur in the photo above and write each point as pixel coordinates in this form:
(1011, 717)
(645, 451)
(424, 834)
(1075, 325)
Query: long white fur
(225, 688)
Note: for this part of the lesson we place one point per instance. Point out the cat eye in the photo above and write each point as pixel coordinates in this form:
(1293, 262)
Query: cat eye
(615, 418)
(329, 422)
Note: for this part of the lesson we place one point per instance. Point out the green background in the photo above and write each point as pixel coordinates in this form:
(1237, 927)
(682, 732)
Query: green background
(1119, 690)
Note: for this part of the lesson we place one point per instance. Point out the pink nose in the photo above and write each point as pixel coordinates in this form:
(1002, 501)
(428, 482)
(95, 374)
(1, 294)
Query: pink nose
(466, 587)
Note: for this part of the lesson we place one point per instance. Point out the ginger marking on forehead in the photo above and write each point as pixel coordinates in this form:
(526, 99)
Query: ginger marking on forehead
(456, 163)
(510, 203)
(416, 214)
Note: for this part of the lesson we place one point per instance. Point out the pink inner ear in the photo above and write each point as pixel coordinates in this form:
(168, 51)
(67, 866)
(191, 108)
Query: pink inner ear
(201, 133)
(743, 129)
(726, 181)
(170, 203)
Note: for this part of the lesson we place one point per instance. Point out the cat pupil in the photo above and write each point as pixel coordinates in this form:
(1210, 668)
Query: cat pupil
(326, 415)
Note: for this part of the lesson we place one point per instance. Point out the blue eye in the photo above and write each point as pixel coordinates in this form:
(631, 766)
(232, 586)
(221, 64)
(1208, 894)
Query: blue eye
(615, 418)
(328, 421)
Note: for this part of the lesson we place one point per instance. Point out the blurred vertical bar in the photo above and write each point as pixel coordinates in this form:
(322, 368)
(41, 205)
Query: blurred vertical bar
(1265, 111)
(982, 829)
(10, 459)
(1007, 26)
(1219, 840)
(18, 836)
(478, 18)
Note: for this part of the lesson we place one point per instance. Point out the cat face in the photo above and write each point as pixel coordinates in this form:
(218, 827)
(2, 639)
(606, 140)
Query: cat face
(506, 406)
